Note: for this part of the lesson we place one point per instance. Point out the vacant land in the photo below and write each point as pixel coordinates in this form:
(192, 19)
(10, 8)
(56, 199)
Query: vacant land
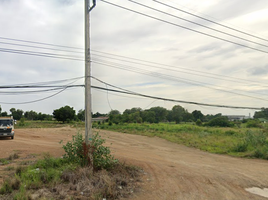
(172, 171)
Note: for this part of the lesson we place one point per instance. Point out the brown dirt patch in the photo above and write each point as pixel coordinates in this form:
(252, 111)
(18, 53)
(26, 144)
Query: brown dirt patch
(172, 171)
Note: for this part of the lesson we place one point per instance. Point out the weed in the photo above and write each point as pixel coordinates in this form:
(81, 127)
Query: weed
(13, 156)
(230, 132)
(10, 168)
(4, 161)
(76, 152)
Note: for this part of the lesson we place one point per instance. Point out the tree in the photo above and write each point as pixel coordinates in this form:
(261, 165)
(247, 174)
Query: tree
(81, 115)
(197, 114)
(177, 113)
(115, 116)
(31, 115)
(0, 110)
(64, 114)
(17, 114)
(261, 114)
(148, 116)
(160, 114)
(4, 114)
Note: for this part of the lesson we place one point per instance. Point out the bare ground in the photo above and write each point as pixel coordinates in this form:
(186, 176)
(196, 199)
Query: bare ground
(173, 172)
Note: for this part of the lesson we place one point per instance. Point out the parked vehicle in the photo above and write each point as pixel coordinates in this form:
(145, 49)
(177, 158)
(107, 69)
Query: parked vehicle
(7, 127)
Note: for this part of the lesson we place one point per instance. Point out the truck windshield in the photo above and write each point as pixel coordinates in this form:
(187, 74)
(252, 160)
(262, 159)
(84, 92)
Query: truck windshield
(6, 122)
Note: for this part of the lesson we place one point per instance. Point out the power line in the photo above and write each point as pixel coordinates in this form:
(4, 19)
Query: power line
(219, 31)
(42, 54)
(47, 44)
(228, 27)
(169, 77)
(184, 27)
(23, 45)
(45, 83)
(174, 100)
(204, 73)
(219, 76)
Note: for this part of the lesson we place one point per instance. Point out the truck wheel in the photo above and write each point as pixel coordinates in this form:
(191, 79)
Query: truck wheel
(12, 137)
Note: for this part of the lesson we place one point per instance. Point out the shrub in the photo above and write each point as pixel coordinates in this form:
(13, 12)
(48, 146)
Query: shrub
(198, 122)
(77, 152)
(253, 124)
(220, 121)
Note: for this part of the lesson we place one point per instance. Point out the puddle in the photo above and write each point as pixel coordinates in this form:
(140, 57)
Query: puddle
(259, 191)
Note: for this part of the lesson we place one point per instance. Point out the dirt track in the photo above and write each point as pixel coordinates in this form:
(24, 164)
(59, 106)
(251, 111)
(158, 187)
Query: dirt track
(174, 172)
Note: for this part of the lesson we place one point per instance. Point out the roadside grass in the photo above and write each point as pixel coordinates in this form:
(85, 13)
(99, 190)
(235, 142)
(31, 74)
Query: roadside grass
(47, 124)
(237, 141)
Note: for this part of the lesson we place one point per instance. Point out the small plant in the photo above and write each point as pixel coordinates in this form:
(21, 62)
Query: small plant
(4, 161)
(22, 122)
(198, 122)
(77, 152)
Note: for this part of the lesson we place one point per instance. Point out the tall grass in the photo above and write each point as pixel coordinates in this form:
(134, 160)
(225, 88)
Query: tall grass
(237, 141)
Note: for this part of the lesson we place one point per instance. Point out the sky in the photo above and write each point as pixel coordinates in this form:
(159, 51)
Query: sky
(155, 54)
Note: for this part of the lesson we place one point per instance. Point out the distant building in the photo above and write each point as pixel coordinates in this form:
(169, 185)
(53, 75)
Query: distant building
(237, 117)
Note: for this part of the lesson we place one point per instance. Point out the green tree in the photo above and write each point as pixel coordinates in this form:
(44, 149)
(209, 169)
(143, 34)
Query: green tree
(148, 116)
(81, 115)
(160, 114)
(17, 114)
(115, 116)
(31, 115)
(177, 113)
(197, 114)
(4, 114)
(261, 114)
(64, 114)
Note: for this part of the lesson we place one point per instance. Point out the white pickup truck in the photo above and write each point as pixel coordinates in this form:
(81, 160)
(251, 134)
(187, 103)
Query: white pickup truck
(7, 127)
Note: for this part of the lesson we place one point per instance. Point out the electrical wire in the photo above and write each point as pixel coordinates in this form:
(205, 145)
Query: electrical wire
(44, 83)
(42, 43)
(203, 18)
(49, 55)
(169, 77)
(177, 101)
(184, 27)
(219, 31)
(23, 45)
(219, 76)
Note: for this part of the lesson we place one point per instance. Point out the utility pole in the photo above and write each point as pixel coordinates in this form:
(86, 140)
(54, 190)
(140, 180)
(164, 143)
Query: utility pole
(88, 123)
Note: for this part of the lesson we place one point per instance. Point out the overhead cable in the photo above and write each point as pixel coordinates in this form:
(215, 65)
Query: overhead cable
(184, 27)
(177, 101)
(203, 18)
(219, 31)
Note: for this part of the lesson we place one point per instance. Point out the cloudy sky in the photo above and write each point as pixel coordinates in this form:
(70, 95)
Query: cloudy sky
(152, 54)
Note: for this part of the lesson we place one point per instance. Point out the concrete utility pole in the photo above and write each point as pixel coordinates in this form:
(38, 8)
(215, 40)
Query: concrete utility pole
(88, 126)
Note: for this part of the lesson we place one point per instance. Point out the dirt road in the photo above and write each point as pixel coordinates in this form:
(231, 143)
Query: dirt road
(173, 172)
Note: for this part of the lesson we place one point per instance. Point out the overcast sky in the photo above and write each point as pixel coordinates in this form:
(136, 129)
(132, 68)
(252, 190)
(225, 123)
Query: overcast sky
(182, 64)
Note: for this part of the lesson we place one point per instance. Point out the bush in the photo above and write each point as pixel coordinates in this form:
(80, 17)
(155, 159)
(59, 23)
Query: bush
(253, 124)
(198, 122)
(220, 121)
(77, 152)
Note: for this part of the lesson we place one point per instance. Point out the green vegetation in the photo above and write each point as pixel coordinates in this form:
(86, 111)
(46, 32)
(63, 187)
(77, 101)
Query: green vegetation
(243, 141)
(70, 176)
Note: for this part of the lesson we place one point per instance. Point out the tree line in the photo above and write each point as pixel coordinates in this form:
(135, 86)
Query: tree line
(134, 115)
(159, 114)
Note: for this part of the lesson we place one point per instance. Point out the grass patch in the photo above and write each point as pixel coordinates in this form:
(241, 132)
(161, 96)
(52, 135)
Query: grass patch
(47, 124)
(236, 141)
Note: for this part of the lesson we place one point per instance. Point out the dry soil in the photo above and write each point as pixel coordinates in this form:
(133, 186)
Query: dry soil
(172, 171)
